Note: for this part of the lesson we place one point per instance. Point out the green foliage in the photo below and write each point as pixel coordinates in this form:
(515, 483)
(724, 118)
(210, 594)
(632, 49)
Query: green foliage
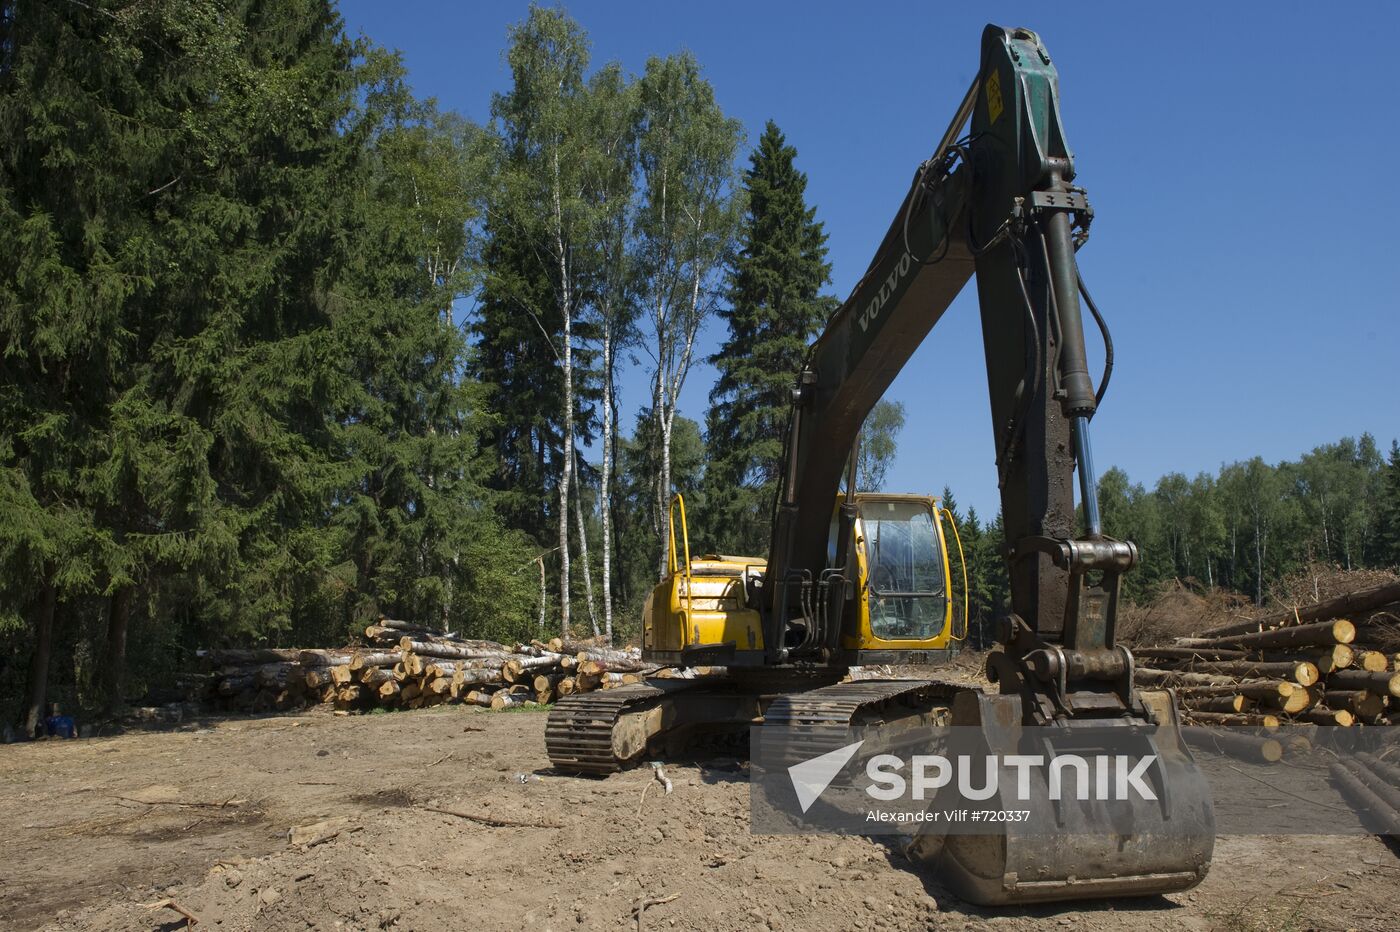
(772, 313)
(231, 395)
(878, 444)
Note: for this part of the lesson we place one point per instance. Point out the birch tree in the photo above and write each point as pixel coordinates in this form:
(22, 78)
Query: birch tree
(612, 186)
(543, 121)
(685, 229)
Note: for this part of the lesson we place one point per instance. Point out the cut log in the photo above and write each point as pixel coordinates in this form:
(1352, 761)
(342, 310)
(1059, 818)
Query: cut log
(395, 624)
(374, 677)
(374, 658)
(509, 700)
(240, 682)
(315, 679)
(1303, 673)
(1366, 705)
(455, 651)
(1244, 719)
(515, 669)
(1271, 691)
(1371, 661)
(1353, 603)
(440, 685)
(1191, 653)
(389, 690)
(1385, 683)
(546, 681)
(609, 655)
(409, 691)
(341, 675)
(1387, 770)
(476, 677)
(1327, 660)
(1341, 718)
(478, 697)
(566, 686)
(1216, 704)
(1321, 634)
(1145, 676)
(323, 658)
(246, 657)
(1242, 746)
(1379, 814)
(351, 693)
(574, 646)
(587, 664)
(281, 675)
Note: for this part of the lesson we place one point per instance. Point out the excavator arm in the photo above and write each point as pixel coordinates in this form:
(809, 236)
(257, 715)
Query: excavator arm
(998, 205)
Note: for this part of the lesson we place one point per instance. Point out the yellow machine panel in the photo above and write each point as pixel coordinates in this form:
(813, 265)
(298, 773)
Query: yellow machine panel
(705, 605)
(904, 597)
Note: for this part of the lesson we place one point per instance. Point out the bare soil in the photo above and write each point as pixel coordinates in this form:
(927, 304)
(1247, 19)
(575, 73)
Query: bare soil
(101, 830)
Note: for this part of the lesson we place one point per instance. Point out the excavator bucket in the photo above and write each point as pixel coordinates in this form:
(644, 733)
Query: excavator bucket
(1071, 847)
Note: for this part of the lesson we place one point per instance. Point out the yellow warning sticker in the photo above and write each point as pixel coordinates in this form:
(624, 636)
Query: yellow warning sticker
(994, 96)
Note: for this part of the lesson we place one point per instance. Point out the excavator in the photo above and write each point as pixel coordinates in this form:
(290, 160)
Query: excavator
(857, 578)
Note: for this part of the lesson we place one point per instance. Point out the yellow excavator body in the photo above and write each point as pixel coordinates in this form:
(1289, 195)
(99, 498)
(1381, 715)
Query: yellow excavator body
(903, 603)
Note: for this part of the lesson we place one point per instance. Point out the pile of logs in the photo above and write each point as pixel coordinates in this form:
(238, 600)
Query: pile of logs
(1310, 666)
(1372, 784)
(407, 665)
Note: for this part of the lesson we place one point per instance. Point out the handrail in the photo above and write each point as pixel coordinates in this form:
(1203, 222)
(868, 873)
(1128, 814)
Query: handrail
(678, 499)
(962, 559)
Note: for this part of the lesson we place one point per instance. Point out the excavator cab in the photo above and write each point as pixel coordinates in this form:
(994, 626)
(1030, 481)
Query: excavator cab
(705, 609)
(903, 571)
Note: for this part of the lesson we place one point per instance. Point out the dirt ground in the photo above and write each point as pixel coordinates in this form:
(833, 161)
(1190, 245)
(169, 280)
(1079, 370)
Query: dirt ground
(101, 829)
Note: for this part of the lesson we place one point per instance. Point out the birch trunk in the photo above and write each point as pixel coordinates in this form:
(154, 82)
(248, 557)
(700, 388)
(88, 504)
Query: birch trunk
(605, 481)
(583, 555)
(544, 592)
(567, 443)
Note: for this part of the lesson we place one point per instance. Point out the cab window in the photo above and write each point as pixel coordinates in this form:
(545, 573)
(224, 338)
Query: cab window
(905, 583)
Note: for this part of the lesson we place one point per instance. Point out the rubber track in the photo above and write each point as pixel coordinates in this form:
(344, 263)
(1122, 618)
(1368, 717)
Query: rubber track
(578, 735)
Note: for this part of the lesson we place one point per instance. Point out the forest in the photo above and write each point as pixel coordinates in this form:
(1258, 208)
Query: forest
(287, 348)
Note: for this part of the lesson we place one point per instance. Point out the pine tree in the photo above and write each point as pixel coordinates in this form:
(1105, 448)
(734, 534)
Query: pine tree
(773, 311)
(1386, 539)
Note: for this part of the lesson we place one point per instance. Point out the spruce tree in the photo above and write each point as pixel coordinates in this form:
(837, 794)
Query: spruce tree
(773, 311)
(1386, 539)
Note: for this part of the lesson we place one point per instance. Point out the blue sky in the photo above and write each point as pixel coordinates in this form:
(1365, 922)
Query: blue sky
(1238, 157)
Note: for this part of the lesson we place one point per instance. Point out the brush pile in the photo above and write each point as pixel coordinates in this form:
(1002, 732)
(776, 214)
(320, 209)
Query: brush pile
(1334, 663)
(402, 664)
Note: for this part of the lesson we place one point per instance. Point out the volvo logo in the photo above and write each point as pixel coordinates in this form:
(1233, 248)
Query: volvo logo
(877, 303)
